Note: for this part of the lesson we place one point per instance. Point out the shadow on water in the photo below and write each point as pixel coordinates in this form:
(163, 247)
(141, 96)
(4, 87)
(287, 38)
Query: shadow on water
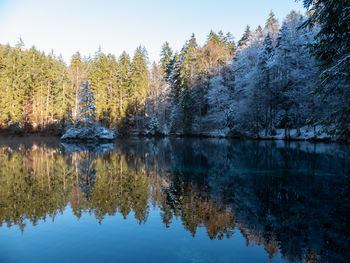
(291, 198)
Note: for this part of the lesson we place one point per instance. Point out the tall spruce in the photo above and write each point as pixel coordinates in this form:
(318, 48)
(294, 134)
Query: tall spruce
(123, 74)
(189, 56)
(87, 111)
(166, 56)
(245, 37)
(139, 85)
(77, 73)
(102, 76)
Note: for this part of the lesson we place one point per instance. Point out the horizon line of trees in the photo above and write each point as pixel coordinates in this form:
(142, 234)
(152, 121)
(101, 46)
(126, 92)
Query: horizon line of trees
(288, 76)
(39, 91)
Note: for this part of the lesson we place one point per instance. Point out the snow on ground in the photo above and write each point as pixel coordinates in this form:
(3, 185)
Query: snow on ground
(306, 133)
(220, 133)
(94, 133)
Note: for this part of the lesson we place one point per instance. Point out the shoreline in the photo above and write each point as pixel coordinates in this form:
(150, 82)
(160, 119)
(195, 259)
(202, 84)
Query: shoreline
(36, 135)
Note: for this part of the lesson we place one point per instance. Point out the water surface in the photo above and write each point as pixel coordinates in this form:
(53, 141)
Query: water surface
(173, 200)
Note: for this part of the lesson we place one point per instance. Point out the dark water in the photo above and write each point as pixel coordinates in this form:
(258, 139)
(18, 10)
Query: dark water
(173, 200)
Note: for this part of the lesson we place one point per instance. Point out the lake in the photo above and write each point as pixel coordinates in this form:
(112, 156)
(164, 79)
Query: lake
(173, 200)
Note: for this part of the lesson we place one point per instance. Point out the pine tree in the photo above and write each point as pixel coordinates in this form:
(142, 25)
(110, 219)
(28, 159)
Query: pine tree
(243, 41)
(332, 49)
(265, 83)
(87, 112)
(189, 59)
(175, 76)
(62, 93)
(77, 73)
(57, 99)
(5, 99)
(297, 72)
(272, 26)
(123, 74)
(102, 75)
(246, 114)
(140, 79)
(223, 41)
(230, 44)
(158, 102)
(216, 52)
(166, 56)
(41, 88)
(14, 95)
(213, 37)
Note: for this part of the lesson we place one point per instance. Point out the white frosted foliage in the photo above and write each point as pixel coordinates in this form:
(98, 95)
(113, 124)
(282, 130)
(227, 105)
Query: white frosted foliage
(85, 126)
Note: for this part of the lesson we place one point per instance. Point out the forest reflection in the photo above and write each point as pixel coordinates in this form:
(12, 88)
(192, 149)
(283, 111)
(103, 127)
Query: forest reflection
(290, 198)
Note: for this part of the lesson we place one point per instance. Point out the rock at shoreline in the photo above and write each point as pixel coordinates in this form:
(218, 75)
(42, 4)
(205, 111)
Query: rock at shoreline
(94, 133)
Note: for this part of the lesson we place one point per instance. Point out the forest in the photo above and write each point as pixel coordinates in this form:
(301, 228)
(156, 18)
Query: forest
(289, 80)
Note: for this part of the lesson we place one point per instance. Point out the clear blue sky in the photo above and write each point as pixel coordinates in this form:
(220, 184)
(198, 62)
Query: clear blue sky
(67, 26)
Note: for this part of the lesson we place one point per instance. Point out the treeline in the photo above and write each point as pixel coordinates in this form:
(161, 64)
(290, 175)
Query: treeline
(278, 79)
(40, 92)
(292, 77)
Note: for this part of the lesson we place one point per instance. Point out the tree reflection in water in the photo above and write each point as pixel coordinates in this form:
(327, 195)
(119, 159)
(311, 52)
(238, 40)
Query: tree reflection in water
(290, 198)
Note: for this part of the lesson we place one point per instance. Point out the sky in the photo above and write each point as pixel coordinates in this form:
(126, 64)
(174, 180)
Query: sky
(67, 26)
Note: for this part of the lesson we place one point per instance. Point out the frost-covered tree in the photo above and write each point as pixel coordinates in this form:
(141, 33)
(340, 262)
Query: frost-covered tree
(332, 49)
(246, 113)
(274, 79)
(158, 102)
(87, 112)
(268, 92)
(175, 82)
(272, 25)
(175, 76)
(218, 99)
(85, 127)
(297, 72)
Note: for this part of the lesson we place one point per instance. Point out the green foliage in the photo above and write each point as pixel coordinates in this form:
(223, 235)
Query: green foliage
(102, 76)
(245, 37)
(33, 87)
(122, 92)
(140, 80)
(223, 41)
(175, 79)
(38, 91)
(166, 56)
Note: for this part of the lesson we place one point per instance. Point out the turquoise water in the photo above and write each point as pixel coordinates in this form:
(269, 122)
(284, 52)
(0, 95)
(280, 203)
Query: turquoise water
(173, 200)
